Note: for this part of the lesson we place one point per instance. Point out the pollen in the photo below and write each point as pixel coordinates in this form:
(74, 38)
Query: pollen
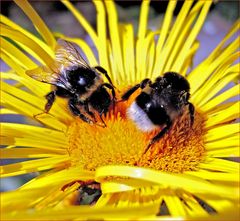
(121, 143)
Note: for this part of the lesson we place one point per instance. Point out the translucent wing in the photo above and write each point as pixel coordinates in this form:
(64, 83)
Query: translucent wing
(68, 56)
(44, 74)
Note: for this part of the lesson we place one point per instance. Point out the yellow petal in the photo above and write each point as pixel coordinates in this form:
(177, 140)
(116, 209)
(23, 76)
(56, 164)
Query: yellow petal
(31, 142)
(128, 53)
(228, 142)
(102, 35)
(37, 21)
(142, 56)
(210, 105)
(103, 200)
(192, 208)
(225, 152)
(217, 82)
(15, 66)
(83, 212)
(18, 69)
(80, 18)
(114, 35)
(164, 32)
(33, 47)
(117, 77)
(33, 166)
(174, 204)
(222, 131)
(14, 26)
(221, 107)
(143, 42)
(220, 165)
(7, 111)
(37, 88)
(181, 39)
(17, 55)
(192, 36)
(164, 179)
(59, 178)
(15, 153)
(29, 110)
(40, 89)
(173, 35)
(223, 116)
(230, 177)
(30, 197)
(207, 68)
(22, 107)
(143, 19)
(189, 58)
(25, 131)
(21, 94)
(220, 205)
(151, 53)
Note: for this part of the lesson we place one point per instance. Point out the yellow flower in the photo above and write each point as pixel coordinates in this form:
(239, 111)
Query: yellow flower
(186, 175)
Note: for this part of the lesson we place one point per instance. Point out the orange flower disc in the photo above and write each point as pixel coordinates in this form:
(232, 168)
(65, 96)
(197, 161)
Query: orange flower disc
(121, 143)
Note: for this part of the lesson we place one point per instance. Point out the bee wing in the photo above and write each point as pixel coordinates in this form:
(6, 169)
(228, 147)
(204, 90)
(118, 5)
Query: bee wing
(44, 74)
(67, 55)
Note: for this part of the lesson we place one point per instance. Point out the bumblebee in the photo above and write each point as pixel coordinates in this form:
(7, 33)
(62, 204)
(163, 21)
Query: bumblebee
(159, 103)
(72, 78)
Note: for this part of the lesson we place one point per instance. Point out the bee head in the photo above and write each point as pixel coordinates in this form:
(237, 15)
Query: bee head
(81, 78)
(177, 81)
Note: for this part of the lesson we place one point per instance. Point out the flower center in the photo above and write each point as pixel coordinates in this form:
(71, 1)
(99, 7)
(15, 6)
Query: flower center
(121, 143)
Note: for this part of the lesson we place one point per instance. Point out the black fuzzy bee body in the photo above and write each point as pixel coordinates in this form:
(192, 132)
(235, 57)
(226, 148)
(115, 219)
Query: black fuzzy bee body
(159, 103)
(74, 79)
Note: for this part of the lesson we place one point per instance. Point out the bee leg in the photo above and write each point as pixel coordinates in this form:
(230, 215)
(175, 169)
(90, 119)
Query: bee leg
(86, 108)
(129, 92)
(103, 71)
(100, 115)
(191, 111)
(50, 100)
(109, 86)
(159, 135)
(72, 106)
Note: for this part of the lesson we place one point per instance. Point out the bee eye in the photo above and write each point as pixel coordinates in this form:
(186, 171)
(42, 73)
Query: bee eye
(82, 81)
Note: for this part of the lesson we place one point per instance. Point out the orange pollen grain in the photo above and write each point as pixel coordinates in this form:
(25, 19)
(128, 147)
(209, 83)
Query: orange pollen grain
(121, 143)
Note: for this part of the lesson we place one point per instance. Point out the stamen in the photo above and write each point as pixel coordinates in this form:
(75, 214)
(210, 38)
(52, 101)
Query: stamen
(181, 149)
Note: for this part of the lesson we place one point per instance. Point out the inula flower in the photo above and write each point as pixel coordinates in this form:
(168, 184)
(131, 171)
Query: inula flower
(187, 174)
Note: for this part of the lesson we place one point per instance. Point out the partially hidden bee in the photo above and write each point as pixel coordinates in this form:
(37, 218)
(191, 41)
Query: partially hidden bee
(72, 78)
(159, 103)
